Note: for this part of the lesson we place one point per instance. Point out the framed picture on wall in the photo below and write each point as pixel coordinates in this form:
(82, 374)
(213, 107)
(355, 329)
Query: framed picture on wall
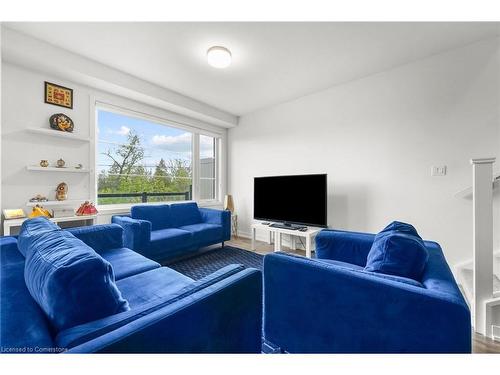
(58, 95)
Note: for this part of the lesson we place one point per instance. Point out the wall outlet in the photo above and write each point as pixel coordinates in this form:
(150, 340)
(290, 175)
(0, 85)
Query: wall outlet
(438, 170)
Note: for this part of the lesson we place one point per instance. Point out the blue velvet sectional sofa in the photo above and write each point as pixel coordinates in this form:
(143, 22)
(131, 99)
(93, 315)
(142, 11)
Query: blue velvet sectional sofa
(339, 304)
(162, 232)
(82, 291)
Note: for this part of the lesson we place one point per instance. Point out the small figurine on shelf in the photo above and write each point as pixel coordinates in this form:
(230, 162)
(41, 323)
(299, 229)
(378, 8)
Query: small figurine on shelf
(86, 208)
(44, 163)
(39, 198)
(39, 211)
(61, 163)
(62, 191)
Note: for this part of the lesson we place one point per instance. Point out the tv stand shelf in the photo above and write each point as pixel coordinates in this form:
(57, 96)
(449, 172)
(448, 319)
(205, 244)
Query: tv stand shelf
(309, 234)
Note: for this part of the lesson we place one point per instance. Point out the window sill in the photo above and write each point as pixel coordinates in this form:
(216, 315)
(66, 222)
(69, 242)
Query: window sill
(125, 208)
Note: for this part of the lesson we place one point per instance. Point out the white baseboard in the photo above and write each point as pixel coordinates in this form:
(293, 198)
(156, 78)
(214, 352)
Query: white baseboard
(244, 234)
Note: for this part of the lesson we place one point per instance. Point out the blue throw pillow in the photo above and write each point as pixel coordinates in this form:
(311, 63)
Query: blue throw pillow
(36, 225)
(68, 279)
(401, 227)
(398, 250)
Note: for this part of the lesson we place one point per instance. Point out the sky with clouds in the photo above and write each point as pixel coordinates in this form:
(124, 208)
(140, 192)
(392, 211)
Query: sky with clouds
(159, 141)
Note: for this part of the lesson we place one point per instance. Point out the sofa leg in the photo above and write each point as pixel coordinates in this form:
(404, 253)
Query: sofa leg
(222, 243)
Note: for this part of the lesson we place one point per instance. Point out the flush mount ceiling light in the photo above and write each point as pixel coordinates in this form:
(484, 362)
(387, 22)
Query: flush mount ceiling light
(219, 57)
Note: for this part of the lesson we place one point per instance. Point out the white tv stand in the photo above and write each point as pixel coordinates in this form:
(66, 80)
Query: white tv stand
(277, 232)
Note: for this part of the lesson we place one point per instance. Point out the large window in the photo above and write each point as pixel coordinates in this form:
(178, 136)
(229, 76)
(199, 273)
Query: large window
(141, 161)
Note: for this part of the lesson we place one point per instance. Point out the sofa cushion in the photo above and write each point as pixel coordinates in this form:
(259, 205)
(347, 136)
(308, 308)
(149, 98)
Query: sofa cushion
(397, 251)
(126, 262)
(158, 215)
(99, 237)
(400, 279)
(69, 281)
(204, 233)
(151, 285)
(185, 214)
(171, 239)
(341, 264)
(360, 269)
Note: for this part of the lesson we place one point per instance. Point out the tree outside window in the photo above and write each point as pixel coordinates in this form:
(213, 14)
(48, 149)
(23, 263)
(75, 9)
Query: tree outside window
(142, 161)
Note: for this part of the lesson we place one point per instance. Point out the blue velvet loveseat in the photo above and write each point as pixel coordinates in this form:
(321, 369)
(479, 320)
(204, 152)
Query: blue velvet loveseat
(162, 232)
(332, 304)
(82, 291)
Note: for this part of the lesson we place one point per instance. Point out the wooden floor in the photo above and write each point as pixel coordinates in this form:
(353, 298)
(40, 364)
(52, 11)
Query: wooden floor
(480, 344)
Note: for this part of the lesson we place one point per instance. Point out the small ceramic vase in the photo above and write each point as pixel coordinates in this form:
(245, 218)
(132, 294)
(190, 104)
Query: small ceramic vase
(61, 163)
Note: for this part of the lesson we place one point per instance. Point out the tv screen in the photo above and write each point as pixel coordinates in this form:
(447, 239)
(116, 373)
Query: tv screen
(297, 199)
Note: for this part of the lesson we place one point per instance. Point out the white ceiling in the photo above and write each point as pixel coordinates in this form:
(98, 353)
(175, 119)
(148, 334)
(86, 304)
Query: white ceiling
(272, 62)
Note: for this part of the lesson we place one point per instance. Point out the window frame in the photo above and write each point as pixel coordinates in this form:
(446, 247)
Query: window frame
(216, 170)
(169, 119)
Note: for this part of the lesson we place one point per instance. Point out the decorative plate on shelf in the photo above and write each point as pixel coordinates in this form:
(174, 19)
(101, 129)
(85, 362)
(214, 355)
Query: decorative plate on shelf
(60, 121)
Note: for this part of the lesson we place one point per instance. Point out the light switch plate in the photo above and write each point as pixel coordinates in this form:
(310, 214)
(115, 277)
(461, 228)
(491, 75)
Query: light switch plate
(439, 170)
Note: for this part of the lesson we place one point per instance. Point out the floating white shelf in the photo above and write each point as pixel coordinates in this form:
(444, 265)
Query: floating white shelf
(8, 224)
(55, 169)
(72, 202)
(467, 192)
(59, 134)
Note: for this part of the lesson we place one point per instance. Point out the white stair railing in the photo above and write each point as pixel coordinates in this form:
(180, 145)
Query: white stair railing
(482, 196)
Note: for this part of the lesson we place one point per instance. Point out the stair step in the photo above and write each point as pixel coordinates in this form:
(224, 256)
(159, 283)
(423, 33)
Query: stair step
(495, 333)
(467, 278)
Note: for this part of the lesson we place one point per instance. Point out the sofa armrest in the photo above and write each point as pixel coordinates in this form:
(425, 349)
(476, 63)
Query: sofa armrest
(223, 317)
(344, 246)
(220, 217)
(326, 308)
(136, 233)
(8, 243)
(100, 237)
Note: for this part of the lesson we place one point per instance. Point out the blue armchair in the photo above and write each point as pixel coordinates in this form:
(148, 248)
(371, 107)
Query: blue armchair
(332, 305)
(163, 232)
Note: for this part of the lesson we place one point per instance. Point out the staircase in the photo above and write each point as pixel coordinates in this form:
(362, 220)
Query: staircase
(479, 278)
(465, 276)
(464, 273)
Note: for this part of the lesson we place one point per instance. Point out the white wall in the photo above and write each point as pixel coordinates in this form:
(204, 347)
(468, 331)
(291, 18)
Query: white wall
(377, 138)
(23, 107)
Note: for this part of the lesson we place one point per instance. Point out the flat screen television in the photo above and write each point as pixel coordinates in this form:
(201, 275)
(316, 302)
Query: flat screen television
(299, 199)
